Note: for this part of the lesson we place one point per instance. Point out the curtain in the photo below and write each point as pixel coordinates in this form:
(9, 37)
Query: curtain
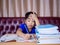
(18, 8)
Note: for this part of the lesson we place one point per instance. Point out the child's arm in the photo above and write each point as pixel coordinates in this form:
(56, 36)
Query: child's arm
(35, 18)
(37, 21)
(20, 33)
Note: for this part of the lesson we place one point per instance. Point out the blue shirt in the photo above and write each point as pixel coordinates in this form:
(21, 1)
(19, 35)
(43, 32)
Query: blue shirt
(25, 29)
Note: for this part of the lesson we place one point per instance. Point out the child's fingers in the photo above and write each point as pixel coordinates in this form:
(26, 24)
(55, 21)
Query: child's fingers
(27, 36)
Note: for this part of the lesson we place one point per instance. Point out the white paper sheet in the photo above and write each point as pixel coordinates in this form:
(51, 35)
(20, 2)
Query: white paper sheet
(9, 37)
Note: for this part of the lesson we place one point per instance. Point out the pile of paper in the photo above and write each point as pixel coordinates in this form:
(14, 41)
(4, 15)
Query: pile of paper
(47, 34)
(47, 29)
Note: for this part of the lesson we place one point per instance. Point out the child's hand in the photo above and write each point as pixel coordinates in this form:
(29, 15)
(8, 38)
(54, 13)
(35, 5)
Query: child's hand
(35, 18)
(26, 36)
(33, 36)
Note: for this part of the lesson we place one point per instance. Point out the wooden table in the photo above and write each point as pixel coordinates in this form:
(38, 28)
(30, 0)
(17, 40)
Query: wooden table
(24, 43)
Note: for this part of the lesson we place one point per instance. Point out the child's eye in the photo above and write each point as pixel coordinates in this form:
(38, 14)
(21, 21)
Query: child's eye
(28, 21)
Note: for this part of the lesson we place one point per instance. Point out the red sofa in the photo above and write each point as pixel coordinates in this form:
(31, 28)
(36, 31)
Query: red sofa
(11, 24)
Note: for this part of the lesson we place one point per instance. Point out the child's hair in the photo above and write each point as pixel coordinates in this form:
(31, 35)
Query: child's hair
(28, 13)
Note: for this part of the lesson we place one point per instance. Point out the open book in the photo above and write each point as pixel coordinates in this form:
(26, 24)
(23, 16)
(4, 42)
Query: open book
(9, 37)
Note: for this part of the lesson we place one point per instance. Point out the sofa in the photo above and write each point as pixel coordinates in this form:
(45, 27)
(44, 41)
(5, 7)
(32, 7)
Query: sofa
(9, 25)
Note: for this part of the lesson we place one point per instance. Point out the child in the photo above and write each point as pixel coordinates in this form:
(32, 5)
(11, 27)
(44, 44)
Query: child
(27, 29)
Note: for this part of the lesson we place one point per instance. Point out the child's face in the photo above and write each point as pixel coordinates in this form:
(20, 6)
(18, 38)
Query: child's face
(29, 22)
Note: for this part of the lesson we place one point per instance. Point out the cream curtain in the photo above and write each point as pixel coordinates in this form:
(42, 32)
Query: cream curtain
(18, 8)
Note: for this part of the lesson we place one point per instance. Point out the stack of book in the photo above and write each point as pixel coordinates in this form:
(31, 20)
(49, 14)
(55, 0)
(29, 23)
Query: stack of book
(47, 34)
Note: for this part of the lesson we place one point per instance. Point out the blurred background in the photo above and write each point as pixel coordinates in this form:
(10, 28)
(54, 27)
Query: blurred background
(18, 8)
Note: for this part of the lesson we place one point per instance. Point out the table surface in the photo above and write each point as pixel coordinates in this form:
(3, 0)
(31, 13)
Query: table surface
(24, 43)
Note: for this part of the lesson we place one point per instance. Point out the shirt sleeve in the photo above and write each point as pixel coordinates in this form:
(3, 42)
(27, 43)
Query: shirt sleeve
(21, 26)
